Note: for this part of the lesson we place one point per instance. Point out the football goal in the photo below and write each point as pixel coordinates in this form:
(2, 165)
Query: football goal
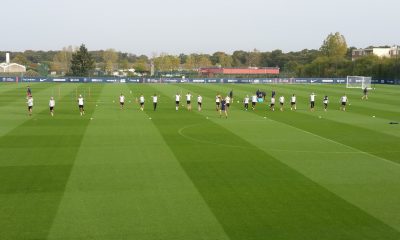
(358, 82)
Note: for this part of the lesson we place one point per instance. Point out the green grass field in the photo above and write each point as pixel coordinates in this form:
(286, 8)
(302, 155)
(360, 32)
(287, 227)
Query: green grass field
(192, 175)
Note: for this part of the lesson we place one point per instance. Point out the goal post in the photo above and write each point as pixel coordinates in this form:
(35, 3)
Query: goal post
(358, 82)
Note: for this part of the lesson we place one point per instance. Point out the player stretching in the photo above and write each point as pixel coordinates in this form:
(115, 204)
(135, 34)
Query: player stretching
(217, 101)
(141, 101)
(80, 104)
(188, 101)
(121, 101)
(344, 102)
(30, 105)
(365, 96)
(325, 101)
(246, 102)
(223, 108)
(272, 105)
(199, 102)
(281, 102)
(312, 102)
(155, 100)
(253, 102)
(177, 100)
(52, 104)
(293, 103)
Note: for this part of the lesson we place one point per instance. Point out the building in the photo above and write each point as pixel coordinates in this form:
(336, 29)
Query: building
(380, 52)
(239, 71)
(8, 67)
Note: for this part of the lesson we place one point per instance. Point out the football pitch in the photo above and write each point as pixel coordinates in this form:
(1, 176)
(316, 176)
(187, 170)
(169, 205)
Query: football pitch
(166, 174)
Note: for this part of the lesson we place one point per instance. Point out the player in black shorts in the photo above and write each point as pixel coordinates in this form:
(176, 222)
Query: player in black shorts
(217, 102)
(365, 96)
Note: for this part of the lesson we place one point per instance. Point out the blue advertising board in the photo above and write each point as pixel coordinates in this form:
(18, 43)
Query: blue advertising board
(188, 80)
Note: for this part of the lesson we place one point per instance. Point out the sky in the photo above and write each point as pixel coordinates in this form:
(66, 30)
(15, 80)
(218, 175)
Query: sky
(192, 26)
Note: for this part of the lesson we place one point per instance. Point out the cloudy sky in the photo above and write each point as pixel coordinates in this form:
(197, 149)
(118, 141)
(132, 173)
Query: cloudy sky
(193, 26)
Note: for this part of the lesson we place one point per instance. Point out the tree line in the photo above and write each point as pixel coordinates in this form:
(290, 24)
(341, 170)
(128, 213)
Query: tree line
(332, 59)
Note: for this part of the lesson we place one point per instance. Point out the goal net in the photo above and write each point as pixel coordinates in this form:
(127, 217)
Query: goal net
(358, 82)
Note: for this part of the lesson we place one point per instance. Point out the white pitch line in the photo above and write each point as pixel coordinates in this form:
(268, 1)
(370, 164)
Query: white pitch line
(181, 130)
(333, 141)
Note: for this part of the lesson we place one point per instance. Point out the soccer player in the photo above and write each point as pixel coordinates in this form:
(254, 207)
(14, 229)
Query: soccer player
(325, 101)
(273, 93)
(28, 91)
(228, 101)
(365, 96)
(30, 105)
(155, 100)
(272, 105)
(246, 102)
(188, 101)
(141, 100)
(121, 101)
(253, 102)
(293, 103)
(223, 108)
(312, 102)
(177, 100)
(217, 101)
(199, 102)
(344, 102)
(52, 103)
(281, 102)
(80, 104)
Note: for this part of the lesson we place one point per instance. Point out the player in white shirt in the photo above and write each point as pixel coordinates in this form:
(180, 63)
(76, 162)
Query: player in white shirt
(344, 100)
(217, 101)
(246, 102)
(253, 102)
(30, 104)
(155, 100)
(80, 104)
(272, 105)
(141, 101)
(325, 102)
(293, 103)
(228, 102)
(199, 102)
(121, 101)
(52, 104)
(188, 101)
(281, 102)
(312, 102)
(177, 100)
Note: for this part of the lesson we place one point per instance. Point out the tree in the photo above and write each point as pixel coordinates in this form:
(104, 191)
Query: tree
(62, 60)
(334, 46)
(166, 62)
(20, 59)
(141, 66)
(110, 58)
(221, 59)
(82, 62)
(240, 58)
(203, 60)
(254, 58)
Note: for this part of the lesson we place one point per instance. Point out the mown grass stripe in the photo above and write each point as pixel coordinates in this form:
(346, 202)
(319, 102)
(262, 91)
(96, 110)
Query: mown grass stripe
(33, 181)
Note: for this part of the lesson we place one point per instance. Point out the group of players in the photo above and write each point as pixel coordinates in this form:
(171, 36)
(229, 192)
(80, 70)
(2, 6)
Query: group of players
(222, 103)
